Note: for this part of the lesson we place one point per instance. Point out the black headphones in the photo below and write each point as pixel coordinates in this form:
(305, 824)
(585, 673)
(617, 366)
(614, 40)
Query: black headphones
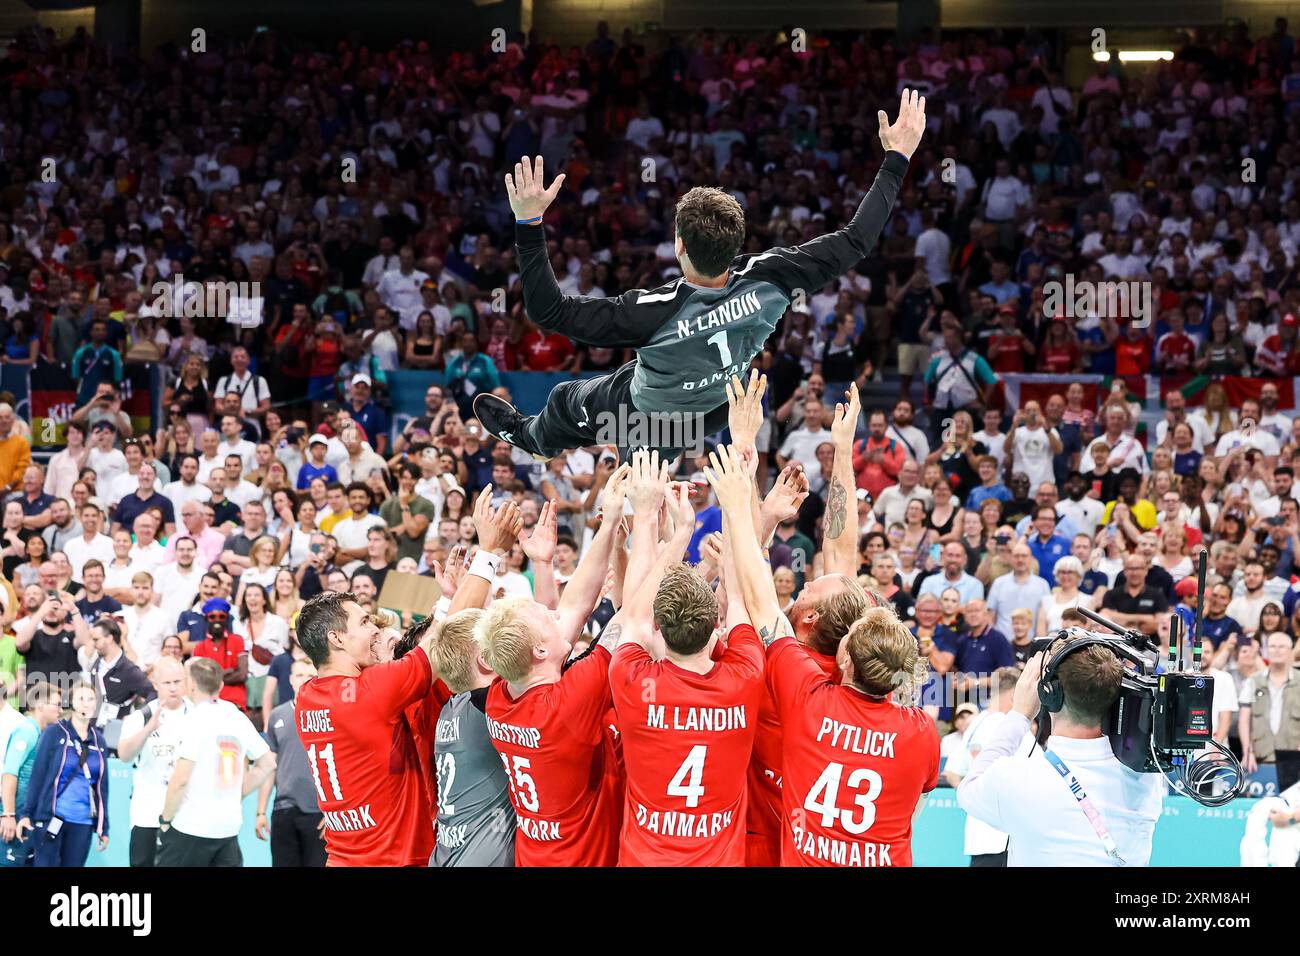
(1051, 694)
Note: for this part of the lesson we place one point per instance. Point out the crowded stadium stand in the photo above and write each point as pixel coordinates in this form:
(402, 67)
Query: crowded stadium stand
(248, 295)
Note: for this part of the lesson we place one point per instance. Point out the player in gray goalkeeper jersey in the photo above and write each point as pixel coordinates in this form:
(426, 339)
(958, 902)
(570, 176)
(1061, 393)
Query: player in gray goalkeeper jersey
(476, 821)
(691, 334)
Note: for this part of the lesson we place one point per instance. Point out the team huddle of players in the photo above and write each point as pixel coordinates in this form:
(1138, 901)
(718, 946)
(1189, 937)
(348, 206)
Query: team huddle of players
(704, 727)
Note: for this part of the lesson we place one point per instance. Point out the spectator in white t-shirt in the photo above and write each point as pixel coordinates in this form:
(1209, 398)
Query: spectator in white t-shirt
(1125, 450)
(801, 444)
(203, 810)
(146, 623)
(643, 127)
(149, 738)
(104, 458)
(91, 543)
(1031, 445)
(1247, 434)
(891, 504)
(254, 395)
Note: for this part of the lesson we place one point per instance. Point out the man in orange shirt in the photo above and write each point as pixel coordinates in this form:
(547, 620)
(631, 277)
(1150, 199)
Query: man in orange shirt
(15, 451)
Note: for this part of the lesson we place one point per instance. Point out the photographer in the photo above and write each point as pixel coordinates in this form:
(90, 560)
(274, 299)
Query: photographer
(104, 406)
(1071, 802)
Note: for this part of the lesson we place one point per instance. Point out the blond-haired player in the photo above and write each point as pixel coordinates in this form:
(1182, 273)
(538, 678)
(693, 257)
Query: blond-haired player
(855, 764)
(548, 722)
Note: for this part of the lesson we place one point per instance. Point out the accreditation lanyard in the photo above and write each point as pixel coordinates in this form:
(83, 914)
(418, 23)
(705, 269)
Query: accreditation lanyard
(1086, 805)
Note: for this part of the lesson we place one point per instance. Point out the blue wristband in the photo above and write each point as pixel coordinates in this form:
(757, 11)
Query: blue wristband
(528, 222)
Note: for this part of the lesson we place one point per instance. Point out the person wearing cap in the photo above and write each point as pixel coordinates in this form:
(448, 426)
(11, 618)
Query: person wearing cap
(226, 649)
(316, 466)
(366, 413)
(961, 719)
(1279, 355)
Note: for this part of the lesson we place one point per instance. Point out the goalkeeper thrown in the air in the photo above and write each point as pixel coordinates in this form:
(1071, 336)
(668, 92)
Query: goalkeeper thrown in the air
(693, 333)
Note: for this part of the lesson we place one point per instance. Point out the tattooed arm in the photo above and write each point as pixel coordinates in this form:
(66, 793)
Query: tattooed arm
(730, 479)
(840, 523)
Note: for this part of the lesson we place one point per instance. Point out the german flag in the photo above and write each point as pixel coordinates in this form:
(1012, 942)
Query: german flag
(54, 399)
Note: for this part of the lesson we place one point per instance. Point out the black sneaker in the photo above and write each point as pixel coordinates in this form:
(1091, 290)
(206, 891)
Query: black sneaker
(502, 420)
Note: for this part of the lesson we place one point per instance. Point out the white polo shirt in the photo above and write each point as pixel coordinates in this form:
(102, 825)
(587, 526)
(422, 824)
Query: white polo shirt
(981, 838)
(220, 741)
(155, 762)
(1026, 798)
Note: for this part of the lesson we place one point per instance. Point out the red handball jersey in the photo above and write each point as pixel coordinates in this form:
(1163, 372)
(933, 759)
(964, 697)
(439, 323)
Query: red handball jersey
(853, 768)
(365, 765)
(764, 817)
(687, 741)
(560, 764)
(423, 718)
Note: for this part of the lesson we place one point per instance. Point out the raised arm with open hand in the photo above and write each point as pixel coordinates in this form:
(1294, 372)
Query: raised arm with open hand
(904, 136)
(497, 531)
(638, 613)
(539, 548)
(528, 197)
(745, 408)
(839, 547)
(647, 489)
(647, 483)
(783, 500)
(583, 590)
(728, 476)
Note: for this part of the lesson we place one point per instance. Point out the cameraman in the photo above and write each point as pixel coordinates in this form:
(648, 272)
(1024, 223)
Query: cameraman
(1109, 819)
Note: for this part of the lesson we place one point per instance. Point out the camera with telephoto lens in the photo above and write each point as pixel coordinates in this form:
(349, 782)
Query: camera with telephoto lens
(1160, 722)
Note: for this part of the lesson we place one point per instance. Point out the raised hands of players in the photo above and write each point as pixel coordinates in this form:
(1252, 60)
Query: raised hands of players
(613, 495)
(528, 198)
(710, 566)
(539, 544)
(502, 527)
(728, 476)
(453, 572)
(680, 510)
(907, 130)
(845, 423)
(745, 408)
(787, 495)
(647, 482)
